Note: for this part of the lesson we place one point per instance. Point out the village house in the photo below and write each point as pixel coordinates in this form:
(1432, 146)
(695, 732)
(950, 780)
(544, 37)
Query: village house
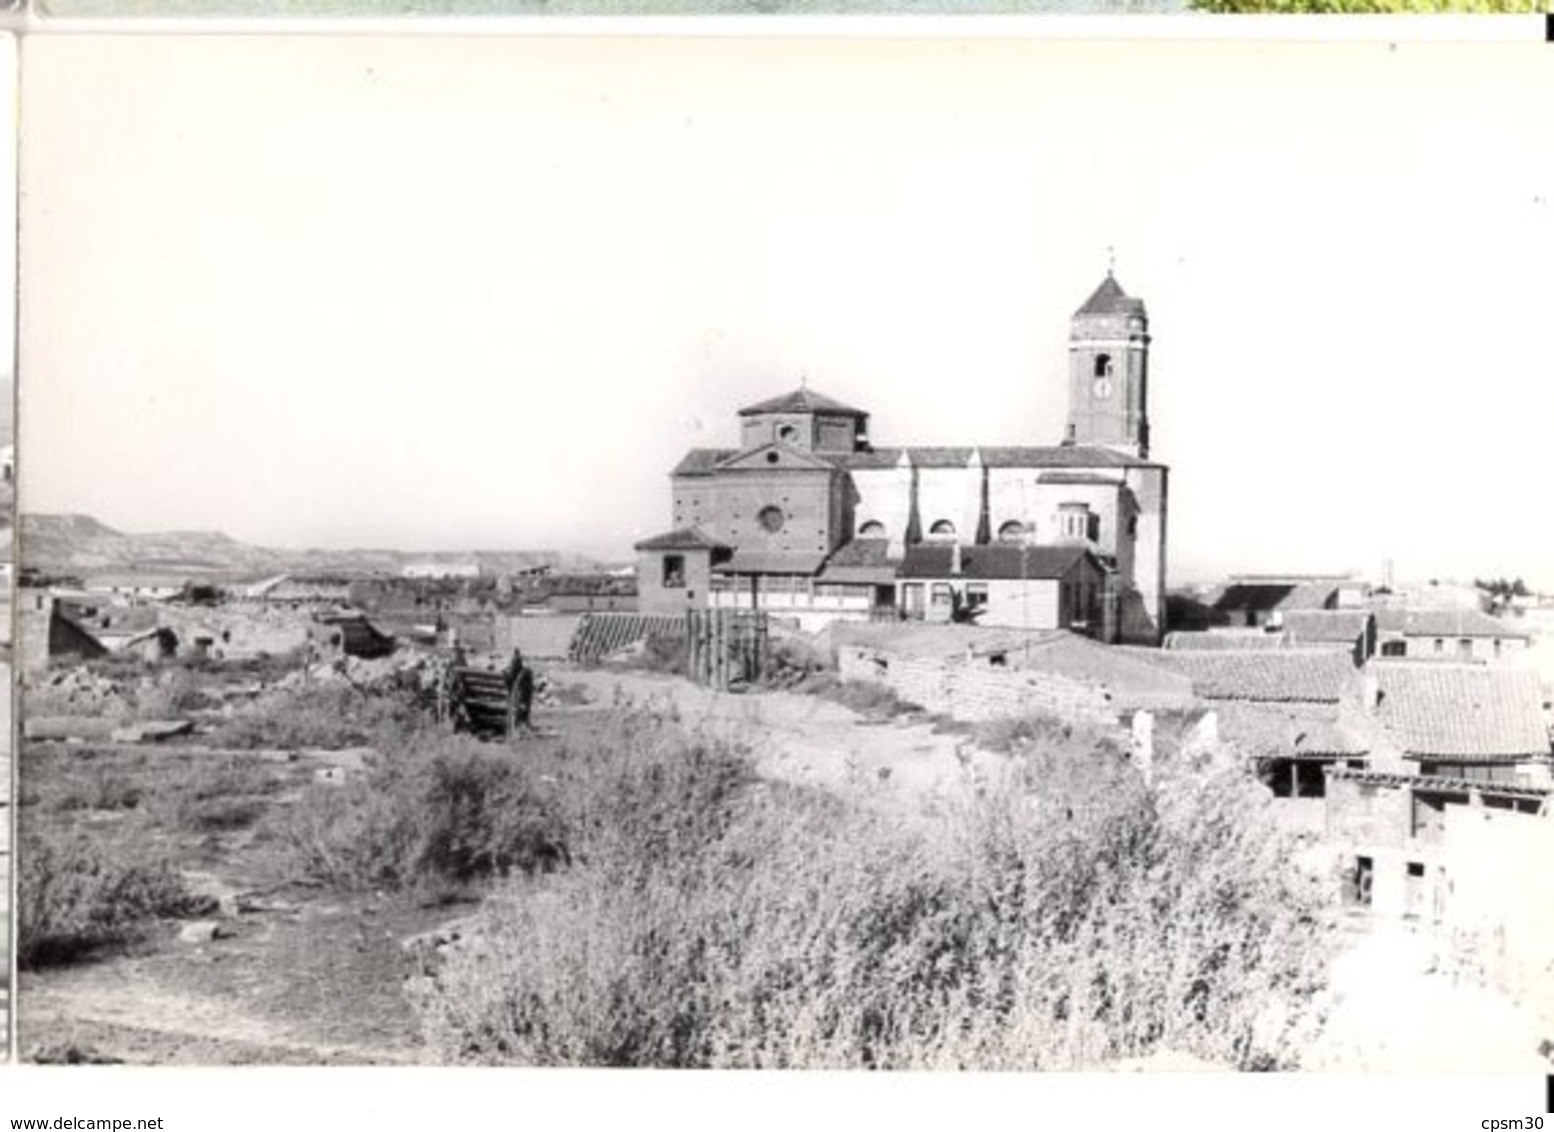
(1004, 586)
(441, 570)
(1467, 721)
(1290, 712)
(137, 587)
(808, 519)
(1351, 629)
(1440, 852)
(348, 634)
(1446, 634)
(1259, 600)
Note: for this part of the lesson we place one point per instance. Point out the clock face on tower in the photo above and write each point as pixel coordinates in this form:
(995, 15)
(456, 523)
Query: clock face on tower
(1102, 388)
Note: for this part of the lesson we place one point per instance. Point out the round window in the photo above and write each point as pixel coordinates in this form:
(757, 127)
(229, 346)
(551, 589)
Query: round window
(771, 518)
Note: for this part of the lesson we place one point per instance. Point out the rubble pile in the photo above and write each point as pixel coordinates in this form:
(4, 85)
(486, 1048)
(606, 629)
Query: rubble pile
(77, 691)
(403, 671)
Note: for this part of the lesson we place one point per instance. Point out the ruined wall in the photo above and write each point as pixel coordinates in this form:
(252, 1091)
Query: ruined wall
(1369, 815)
(972, 690)
(238, 631)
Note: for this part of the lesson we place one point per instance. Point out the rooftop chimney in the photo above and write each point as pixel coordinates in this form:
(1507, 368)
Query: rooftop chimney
(955, 558)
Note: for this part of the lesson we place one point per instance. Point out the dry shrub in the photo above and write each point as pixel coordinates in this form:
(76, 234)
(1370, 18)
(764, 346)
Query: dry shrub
(1066, 916)
(328, 716)
(76, 896)
(862, 696)
(456, 813)
(172, 695)
(448, 810)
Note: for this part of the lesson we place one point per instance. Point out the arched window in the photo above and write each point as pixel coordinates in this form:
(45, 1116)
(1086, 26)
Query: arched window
(1103, 365)
(872, 529)
(942, 529)
(788, 434)
(1014, 531)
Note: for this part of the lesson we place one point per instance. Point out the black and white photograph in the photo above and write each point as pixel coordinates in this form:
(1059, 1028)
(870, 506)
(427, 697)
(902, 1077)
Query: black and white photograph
(785, 552)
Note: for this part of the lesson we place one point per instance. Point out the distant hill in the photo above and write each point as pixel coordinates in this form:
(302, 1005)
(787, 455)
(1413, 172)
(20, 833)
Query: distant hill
(80, 544)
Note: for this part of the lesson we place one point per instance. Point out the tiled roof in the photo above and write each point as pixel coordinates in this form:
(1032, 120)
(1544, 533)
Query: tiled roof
(1445, 623)
(1218, 640)
(772, 562)
(932, 560)
(1461, 710)
(861, 552)
(1284, 596)
(1263, 676)
(1337, 626)
(993, 456)
(802, 401)
(1264, 731)
(1437, 783)
(702, 461)
(1310, 595)
(1078, 478)
(1110, 298)
(685, 538)
(1253, 595)
(1133, 683)
(863, 560)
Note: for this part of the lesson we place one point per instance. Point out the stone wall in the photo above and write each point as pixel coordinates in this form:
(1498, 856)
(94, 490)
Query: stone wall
(237, 631)
(972, 690)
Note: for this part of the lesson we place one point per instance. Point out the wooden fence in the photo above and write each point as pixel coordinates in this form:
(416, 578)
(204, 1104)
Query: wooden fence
(599, 634)
(725, 646)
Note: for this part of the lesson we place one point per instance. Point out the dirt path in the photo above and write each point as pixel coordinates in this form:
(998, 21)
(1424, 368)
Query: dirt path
(319, 984)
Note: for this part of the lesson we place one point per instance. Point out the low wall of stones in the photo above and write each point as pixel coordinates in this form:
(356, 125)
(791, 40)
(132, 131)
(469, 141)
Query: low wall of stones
(238, 631)
(972, 690)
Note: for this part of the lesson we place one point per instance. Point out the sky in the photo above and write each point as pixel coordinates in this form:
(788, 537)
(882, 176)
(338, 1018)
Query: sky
(457, 294)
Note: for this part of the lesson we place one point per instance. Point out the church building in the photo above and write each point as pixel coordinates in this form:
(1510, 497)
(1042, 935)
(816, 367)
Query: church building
(808, 519)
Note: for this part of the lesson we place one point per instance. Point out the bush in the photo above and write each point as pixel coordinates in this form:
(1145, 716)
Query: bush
(98, 788)
(173, 695)
(329, 716)
(862, 696)
(1066, 916)
(443, 811)
(456, 815)
(670, 655)
(75, 896)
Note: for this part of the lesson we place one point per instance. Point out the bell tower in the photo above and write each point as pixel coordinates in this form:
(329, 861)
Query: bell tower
(1108, 372)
